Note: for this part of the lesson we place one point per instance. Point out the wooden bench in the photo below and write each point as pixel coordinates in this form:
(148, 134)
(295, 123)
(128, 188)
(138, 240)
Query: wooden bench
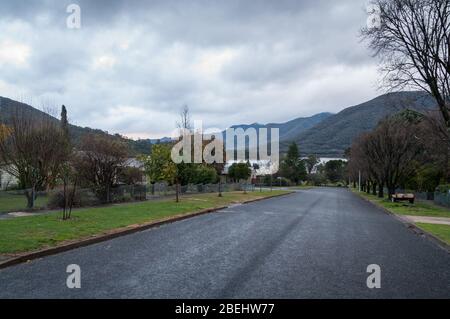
(403, 197)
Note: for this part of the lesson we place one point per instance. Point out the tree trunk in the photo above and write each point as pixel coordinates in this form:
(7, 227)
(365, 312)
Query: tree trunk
(380, 190)
(176, 193)
(374, 189)
(391, 191)
(31, 196)
(108, 195)
(220, 188)
(65, 199)
(447, 162)
(30, 201)
(72, 199)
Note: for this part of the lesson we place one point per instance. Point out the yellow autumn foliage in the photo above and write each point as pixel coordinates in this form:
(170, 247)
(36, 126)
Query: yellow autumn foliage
(5, 131)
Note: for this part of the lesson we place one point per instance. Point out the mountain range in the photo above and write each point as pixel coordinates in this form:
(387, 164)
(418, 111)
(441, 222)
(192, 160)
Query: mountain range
(329, 135)
(289, 130)
(323, 134)
(332, 136)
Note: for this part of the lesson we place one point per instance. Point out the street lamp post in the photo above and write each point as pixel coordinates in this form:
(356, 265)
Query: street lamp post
(359, 180)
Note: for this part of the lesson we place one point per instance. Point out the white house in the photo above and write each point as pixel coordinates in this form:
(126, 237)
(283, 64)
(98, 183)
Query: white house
(6, 180)
(134, 162)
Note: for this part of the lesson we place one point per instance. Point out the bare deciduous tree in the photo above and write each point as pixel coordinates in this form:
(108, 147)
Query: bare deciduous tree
(69, 177)
(185, 127)
(99, 162)
(413, 42)
(31, 151)
(385, 155)
(365, 163)
(185, 120)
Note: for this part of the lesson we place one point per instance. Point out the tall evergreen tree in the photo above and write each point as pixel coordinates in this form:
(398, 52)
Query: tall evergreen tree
(293, 167)
(64, 122)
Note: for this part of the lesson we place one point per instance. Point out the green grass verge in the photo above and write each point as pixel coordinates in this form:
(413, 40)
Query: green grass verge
(34, 232)
(300, 187)
(417, 209)
(440, 231)
(405, 208)
(11, 202)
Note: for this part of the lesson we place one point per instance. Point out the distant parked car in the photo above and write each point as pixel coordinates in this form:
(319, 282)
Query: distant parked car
(403, 197)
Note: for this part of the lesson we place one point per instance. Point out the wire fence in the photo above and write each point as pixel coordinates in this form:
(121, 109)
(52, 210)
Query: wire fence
(16, 200)
(425, 195)
(442, 199)
(19, 200)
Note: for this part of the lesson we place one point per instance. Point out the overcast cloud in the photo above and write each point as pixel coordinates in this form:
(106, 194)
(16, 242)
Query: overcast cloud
(133, 64)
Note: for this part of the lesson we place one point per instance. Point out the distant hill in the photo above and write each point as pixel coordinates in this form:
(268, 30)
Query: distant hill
(290, 129)
(332, 136)
(9, 107)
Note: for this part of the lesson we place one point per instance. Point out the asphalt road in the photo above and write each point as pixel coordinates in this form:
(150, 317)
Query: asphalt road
(313, 244)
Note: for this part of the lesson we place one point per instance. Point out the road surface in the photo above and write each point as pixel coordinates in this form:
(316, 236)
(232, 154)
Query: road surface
(312, 244)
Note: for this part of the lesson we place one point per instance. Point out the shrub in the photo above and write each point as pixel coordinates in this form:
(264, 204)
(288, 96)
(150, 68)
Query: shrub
(205, 175)
(131, 176)
(443, 188)
(317, 179)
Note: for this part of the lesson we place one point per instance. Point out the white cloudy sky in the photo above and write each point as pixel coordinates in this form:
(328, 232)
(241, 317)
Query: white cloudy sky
(133, 64)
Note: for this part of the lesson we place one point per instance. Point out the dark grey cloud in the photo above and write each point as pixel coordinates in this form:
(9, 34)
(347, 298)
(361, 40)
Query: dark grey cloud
(133, 64)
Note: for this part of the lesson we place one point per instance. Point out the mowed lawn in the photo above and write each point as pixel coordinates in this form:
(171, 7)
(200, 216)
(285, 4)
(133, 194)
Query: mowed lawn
(417, 209)
(10, 202)
(440, 231)
(35, 232)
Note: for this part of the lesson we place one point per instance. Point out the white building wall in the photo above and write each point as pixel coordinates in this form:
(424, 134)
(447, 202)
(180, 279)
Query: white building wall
(6, 180)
